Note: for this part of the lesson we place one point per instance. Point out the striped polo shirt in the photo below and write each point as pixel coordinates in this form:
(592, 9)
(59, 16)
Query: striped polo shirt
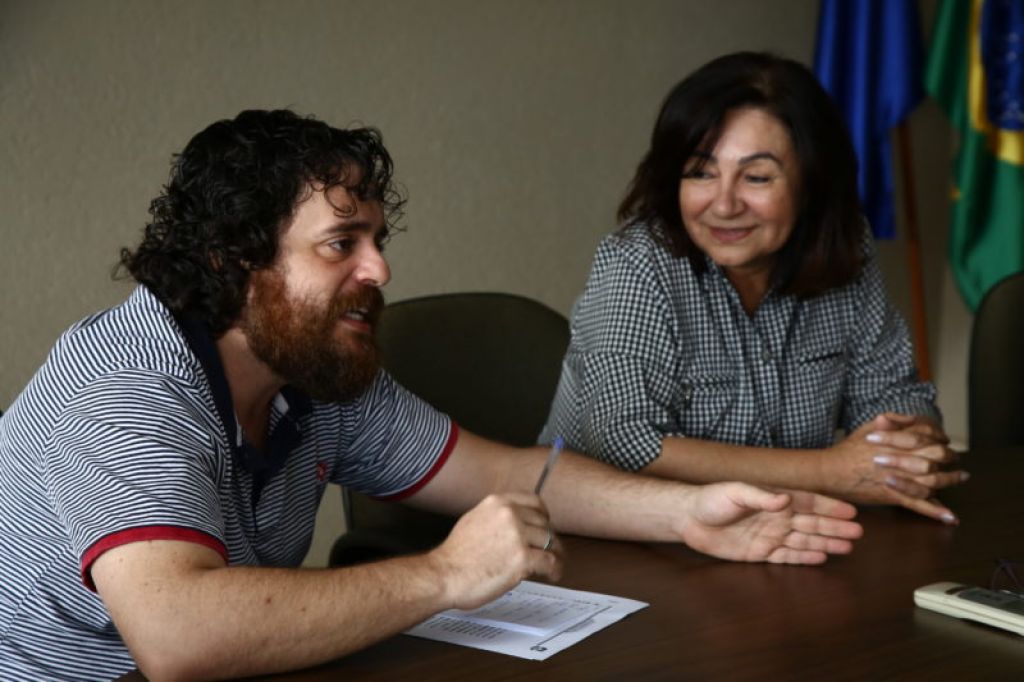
(118, 438)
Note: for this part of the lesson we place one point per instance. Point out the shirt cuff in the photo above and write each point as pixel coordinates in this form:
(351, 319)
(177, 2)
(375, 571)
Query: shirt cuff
(453, 437)
(142, 534)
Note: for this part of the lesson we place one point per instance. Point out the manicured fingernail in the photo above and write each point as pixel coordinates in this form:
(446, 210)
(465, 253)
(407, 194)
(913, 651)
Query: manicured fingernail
(964, 476)
(873, 437)
(882, 459)
(948, 517)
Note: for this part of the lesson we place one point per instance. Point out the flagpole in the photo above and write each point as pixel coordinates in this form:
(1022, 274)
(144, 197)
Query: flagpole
(919, 318)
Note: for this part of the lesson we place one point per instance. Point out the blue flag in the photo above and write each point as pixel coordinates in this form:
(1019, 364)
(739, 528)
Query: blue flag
(868, 57)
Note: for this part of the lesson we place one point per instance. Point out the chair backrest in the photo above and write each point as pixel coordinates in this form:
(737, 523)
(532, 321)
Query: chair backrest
(489, 360)
(995, 383)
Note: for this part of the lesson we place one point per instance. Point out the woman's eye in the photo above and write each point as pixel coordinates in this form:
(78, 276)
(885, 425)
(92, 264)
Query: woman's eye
(758, 179)
(697, 174)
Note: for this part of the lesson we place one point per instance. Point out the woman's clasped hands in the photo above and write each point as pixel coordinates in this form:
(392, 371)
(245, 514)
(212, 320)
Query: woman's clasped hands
(896, 459)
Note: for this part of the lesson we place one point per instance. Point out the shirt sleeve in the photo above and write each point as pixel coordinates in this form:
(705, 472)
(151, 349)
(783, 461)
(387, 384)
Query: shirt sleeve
(393, 443)
(615, 396)
(882, 376)
(130, 460)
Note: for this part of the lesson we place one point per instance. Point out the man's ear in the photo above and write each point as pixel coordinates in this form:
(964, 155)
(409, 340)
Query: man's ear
(217, 263)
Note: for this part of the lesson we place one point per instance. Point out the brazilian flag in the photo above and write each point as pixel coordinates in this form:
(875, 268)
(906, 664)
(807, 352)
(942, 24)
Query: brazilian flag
(975, 72)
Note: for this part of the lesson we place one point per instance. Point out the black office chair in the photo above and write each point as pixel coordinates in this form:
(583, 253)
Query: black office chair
(489, 360)
(995, 380)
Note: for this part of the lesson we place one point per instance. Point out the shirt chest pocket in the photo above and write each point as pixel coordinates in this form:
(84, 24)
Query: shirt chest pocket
(704, 400)
(817, 382)
(823, 361)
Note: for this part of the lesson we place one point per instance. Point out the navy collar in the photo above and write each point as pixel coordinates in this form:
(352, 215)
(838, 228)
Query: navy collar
(286, 434)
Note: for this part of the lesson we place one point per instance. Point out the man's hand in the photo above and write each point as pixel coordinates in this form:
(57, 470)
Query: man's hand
(494, 546)
(894, 459)
(740, 522)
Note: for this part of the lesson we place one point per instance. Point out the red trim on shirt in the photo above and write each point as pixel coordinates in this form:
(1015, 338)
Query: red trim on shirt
(453, 437)
(143, 534)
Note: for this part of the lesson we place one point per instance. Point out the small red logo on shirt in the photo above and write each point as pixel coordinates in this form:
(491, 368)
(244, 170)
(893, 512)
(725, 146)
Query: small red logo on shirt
(321, 471)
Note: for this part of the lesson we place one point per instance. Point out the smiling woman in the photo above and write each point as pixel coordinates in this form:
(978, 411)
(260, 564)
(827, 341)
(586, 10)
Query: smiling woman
(738, 317)
(738, 201)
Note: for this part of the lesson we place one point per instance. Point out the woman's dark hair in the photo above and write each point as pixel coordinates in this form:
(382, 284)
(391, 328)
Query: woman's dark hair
(825, 248)
(230, 193)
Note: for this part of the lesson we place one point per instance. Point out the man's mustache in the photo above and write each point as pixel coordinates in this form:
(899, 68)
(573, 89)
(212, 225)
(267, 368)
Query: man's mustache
(367, 299)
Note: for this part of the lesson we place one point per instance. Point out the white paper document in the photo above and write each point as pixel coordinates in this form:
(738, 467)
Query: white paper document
(532, 620)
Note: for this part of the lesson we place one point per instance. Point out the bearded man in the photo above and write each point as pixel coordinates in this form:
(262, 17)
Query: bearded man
(162, 471)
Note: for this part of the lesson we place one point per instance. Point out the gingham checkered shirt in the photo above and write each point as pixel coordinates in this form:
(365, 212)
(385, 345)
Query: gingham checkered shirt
(659, 350)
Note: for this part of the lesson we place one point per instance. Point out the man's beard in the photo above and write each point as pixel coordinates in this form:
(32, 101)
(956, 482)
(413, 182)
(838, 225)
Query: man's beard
(299, 339)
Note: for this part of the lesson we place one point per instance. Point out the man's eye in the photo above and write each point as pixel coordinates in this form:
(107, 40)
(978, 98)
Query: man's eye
(342, 245)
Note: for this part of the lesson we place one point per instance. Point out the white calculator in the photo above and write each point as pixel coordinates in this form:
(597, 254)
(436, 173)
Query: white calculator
(1004, 610)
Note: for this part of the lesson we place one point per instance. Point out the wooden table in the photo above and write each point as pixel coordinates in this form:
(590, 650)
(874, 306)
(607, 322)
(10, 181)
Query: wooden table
(851, 619)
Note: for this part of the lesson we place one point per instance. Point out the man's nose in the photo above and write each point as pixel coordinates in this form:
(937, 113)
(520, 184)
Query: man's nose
(373, 269)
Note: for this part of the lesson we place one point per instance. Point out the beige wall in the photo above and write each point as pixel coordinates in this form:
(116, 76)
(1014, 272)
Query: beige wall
(514, 124)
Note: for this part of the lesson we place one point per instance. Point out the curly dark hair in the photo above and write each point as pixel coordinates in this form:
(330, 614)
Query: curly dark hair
(232, 190)
(824, 250)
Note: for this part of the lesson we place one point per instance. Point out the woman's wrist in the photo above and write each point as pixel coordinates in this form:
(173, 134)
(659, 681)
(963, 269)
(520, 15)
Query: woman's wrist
(822, 464)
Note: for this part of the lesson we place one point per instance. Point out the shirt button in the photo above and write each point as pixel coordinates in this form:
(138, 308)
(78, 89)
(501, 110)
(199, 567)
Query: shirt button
(766, 355)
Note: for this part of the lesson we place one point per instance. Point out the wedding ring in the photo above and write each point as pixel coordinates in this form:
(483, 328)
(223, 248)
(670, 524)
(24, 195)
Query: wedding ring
(547, 545)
